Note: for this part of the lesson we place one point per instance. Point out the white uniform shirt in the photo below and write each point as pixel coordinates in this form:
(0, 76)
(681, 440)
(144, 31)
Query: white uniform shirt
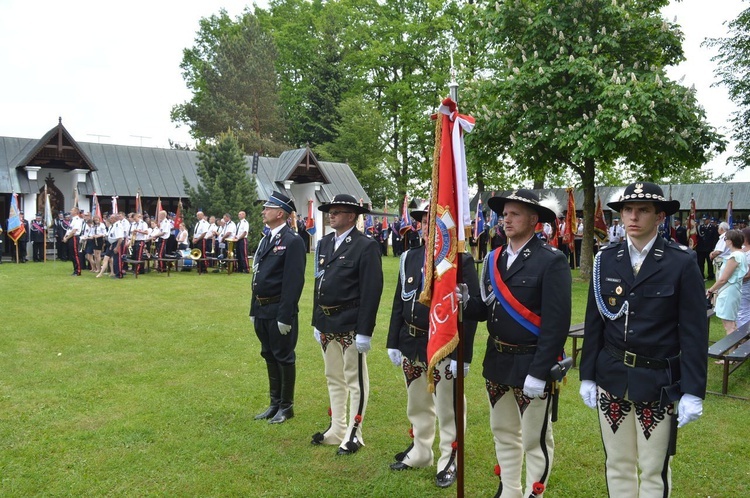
(242, 228)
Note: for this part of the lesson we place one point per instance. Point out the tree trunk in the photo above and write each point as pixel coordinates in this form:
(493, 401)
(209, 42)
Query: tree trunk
(589, 205)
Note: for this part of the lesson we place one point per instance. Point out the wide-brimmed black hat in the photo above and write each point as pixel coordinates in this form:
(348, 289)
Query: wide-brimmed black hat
(344, 200)
(280, 201)
(646, 192)
(523, 196)
(420, 211)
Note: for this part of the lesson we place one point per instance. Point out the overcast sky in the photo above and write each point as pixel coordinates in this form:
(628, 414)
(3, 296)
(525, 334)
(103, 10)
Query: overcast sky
(111, 69)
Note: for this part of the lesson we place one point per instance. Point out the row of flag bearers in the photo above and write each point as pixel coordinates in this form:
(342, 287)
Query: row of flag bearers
(643, 384)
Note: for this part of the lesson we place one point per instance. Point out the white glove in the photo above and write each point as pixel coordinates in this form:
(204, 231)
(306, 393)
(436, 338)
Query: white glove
(533, 387)
(689, 408)
(284, 328)
(252, 320)
(395, 356)
(462, 294)
(316, 334)
(454, 369)
(362, 342)
(588, 393)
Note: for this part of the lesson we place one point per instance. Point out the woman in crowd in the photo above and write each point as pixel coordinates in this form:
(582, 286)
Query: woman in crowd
(182, 238)
(743, 315)
(729, 283)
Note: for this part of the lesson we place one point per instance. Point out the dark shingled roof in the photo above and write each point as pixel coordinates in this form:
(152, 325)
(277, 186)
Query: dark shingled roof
(123, 170)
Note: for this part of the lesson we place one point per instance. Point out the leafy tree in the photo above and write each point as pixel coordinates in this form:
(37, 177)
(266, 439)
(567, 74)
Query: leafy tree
(225, 185)
(231, 73)
(359, 143)
(732, 70)
(581, 86)
(313, 75)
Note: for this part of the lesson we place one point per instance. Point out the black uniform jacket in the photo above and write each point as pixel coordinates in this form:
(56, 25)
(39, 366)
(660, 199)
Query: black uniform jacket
(280, 272)
(410, 311)
(667, 318)
(352, 277)
(539, 279)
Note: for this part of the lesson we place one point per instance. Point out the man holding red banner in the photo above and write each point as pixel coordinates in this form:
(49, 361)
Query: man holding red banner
(407, 348)
(526, 301)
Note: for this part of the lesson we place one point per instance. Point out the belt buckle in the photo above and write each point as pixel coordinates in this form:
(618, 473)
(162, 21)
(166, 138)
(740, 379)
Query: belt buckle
(629, 359)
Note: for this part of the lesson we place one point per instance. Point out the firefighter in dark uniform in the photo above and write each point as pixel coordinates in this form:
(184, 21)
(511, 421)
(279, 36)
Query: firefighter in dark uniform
(348, 285)
(645, 345)
(278, 279)
(37, 239)
(526, 301)
(407, 348)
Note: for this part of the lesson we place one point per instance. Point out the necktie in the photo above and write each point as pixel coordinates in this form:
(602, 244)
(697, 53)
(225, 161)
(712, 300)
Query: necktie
(636, 268)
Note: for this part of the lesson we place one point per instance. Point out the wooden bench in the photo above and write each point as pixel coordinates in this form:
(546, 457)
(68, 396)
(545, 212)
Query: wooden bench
(576, 333)
(733, 349)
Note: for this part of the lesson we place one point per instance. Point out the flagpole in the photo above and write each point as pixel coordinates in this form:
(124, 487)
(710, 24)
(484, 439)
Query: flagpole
(459, 397)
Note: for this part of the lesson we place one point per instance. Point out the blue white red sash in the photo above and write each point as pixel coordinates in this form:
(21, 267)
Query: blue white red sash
(520, 313)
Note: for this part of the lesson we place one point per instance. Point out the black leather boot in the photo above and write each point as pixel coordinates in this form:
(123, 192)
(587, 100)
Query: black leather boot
(274, 383)
(286, 407)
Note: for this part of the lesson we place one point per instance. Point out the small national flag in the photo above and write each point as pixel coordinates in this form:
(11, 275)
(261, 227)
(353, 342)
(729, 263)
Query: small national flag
(479, 220)
(571, 222)
(178, 215)
(600, 224)
(15, 227)
(405, 220)
(47, 210)
(97, 208)
(730, 210)
(692, 228)
(310, 224)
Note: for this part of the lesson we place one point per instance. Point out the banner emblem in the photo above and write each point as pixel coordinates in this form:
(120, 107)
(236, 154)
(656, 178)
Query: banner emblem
(446, 241)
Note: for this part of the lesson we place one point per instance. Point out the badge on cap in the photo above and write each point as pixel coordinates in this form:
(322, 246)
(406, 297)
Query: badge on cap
(638, 188)
(618, 290)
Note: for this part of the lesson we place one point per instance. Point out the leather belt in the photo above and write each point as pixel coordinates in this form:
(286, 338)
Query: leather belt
(514, 348)
(632, 360)
(334, 310)
(415, 331)
(268, 300)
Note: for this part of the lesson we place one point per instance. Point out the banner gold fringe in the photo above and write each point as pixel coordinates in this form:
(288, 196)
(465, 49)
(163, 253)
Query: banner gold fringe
(426, 295)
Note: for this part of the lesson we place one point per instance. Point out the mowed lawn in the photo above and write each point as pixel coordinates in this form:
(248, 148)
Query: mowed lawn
(148, 387)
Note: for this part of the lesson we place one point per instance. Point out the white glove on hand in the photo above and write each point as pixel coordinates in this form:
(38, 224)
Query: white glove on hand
(462, 294)
(533, 387)
(284, 328)
(316, 334)
(362, 342)
(454, 369)
(395, 356)
(689, 408)
(588, 393)
(252, 320)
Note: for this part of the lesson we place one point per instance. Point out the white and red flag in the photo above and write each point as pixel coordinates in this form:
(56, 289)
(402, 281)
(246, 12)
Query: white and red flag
(448, 220)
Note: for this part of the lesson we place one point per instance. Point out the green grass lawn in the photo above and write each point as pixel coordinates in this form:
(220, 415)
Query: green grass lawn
(148, 387)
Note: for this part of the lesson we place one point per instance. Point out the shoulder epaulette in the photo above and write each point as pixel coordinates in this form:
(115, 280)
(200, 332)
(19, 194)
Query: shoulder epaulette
(679, 247)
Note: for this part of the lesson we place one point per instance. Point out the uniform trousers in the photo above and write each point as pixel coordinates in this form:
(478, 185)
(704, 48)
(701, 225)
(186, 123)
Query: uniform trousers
(636, 434)
(73, 251)
(521, 425)
(421, 409)
(347, 380)
(241, 255)
(275, 347)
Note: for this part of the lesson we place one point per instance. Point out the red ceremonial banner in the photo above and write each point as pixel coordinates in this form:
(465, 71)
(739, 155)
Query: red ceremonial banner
(441, 275)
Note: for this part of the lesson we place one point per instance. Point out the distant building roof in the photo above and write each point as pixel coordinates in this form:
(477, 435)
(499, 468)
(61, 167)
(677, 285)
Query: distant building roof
(123, 170)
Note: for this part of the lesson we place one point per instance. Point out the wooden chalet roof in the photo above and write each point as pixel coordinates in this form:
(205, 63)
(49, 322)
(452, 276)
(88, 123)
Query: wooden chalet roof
(123, 170)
